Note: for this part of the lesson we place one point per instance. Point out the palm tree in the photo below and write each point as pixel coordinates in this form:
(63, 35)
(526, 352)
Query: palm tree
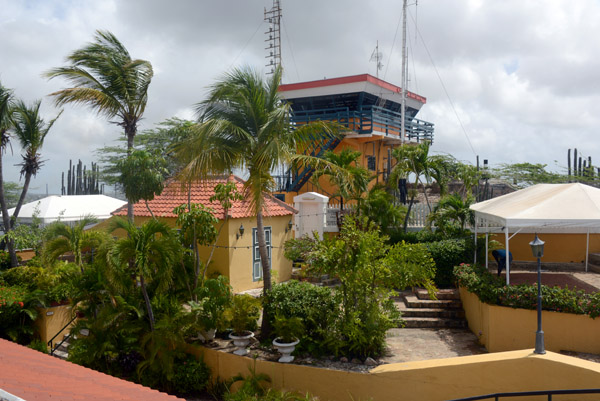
(62, 239)
(244, 124)
(153, 250)
(453, 209)
(350, 179)
(413, 160)
(5, 124)
(30, 130)
(106, 78)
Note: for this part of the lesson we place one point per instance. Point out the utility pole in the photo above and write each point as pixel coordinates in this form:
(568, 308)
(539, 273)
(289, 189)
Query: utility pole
(404, 75)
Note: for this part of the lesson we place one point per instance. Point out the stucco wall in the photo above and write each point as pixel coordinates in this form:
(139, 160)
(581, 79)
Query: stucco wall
(51, 320)
(559, 247)
(501, 328)
(432, 380)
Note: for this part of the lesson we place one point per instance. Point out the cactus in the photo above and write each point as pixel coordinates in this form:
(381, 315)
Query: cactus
(575, 162)
(569, 163)
(81, 180)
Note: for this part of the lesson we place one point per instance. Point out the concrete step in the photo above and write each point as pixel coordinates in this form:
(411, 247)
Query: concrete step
(593, 267)
(594, 258)
(432, 312)
(411, 301)
(445, 294)
(61, 354)
(433, 323)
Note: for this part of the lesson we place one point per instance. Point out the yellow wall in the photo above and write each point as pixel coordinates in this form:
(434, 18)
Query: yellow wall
(559, 248)
(233, 256)
(48, 326)
(373, 146)
(501, 328)
(432, 380)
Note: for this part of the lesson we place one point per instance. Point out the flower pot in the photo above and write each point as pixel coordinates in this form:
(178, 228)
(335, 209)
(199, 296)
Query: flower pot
(285, 349)
(241, 342)
(207, 335)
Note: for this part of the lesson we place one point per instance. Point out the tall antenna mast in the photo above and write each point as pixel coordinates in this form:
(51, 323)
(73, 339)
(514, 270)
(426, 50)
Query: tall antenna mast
(404, 74)
(377, 56)
(273, 18)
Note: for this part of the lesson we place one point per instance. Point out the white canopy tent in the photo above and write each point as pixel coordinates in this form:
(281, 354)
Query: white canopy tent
(68, 208)
(568, 207)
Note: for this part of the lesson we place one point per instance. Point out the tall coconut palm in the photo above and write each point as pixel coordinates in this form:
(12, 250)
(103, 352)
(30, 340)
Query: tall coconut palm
(62, 239)
(30, 130)
(5, 124)
(245, 125)
(154, 250)
(106, 78)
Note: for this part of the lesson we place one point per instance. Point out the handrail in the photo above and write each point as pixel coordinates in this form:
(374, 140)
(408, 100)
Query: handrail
(549, 393)
(52, 349)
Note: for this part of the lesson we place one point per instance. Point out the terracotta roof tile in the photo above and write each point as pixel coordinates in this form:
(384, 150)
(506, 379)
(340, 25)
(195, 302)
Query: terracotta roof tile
(174, 195)
(32, 375)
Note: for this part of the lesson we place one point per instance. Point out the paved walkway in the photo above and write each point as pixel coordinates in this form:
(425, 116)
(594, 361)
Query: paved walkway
(405, 345)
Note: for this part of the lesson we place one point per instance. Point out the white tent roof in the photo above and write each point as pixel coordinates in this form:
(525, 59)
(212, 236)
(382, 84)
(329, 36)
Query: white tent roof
(68, 208)
(544, 205)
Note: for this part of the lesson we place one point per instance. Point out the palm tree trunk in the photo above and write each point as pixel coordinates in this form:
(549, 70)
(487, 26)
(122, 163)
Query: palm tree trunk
(6, 217)
(265, 328)
(148, 304)
(130, 130)
(410, 203)
(11, 243)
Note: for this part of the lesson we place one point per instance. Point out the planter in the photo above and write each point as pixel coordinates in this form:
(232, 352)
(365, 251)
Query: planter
(285, 349)
(241, 342)
(207, 335)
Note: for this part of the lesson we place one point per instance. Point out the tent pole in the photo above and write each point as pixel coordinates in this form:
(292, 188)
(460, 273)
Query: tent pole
(587, 249)
(506, 240)
(487, 242)
(475, 252)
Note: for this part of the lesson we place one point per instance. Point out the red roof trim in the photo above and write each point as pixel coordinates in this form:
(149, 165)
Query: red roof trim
(349, 80)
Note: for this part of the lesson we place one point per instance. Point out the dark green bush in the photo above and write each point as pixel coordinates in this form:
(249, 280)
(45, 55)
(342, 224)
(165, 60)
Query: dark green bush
(493, 290)
(316, 306)
(191, 375)
(447, 254)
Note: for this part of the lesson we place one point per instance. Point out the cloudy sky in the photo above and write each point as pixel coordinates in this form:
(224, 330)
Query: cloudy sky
(511, 81)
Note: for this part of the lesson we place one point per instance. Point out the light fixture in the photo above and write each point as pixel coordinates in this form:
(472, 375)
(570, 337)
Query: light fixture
(537, 249)
(241, 230)
(289, 226)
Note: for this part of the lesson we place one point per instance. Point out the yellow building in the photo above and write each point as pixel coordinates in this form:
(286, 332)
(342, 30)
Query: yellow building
(369, 109)
(236, 255)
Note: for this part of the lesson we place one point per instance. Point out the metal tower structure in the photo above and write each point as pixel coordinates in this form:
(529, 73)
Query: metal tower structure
(273, 18)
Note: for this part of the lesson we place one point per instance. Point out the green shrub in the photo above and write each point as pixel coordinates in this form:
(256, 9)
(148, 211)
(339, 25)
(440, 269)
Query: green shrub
(18, 311)
(191, 375)
(447, 254)
(38, 345)
(55, 282)
(242, 315)
(317, 307)
(288, 329)
(493, 290)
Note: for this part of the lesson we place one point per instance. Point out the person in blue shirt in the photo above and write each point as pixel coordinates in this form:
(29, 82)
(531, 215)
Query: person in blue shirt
(500, 256)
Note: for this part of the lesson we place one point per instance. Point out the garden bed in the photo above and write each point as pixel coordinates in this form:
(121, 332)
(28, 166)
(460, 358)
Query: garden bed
(562, 280)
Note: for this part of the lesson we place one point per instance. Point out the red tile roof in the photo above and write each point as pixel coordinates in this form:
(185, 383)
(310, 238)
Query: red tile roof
(32, 375)
(174, 195)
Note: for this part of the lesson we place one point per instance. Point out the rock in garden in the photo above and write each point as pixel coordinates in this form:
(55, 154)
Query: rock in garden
(343, 359)
(370, 362)
(356, 361)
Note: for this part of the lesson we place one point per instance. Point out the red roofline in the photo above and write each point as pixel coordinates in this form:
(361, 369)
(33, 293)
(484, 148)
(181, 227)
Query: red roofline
(348, 80)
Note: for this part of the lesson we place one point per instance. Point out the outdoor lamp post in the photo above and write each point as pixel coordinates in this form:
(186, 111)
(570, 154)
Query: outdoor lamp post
(537, 248)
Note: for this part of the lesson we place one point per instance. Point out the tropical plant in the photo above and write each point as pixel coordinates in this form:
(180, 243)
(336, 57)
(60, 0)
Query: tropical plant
(412, 160)
(379, 207)
(452, 214)
(62, 239)
(5, 124)
(344, 172)
(212, 298)
(244, 124)
(106, 78)
(150, 250)
(30, 130)
(288, 329)
(142, 176)
(242, 314)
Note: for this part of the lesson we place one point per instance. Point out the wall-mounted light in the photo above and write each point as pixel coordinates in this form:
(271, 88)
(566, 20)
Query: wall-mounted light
(289, 226)
(241, 232)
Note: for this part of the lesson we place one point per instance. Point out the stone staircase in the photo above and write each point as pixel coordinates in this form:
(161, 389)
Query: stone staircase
(594, 262)
(62, 352)
(419, 311)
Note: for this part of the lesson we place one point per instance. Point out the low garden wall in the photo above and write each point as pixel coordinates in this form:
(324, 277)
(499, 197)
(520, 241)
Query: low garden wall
(502, 328)
(51, 320)
(432, 380)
